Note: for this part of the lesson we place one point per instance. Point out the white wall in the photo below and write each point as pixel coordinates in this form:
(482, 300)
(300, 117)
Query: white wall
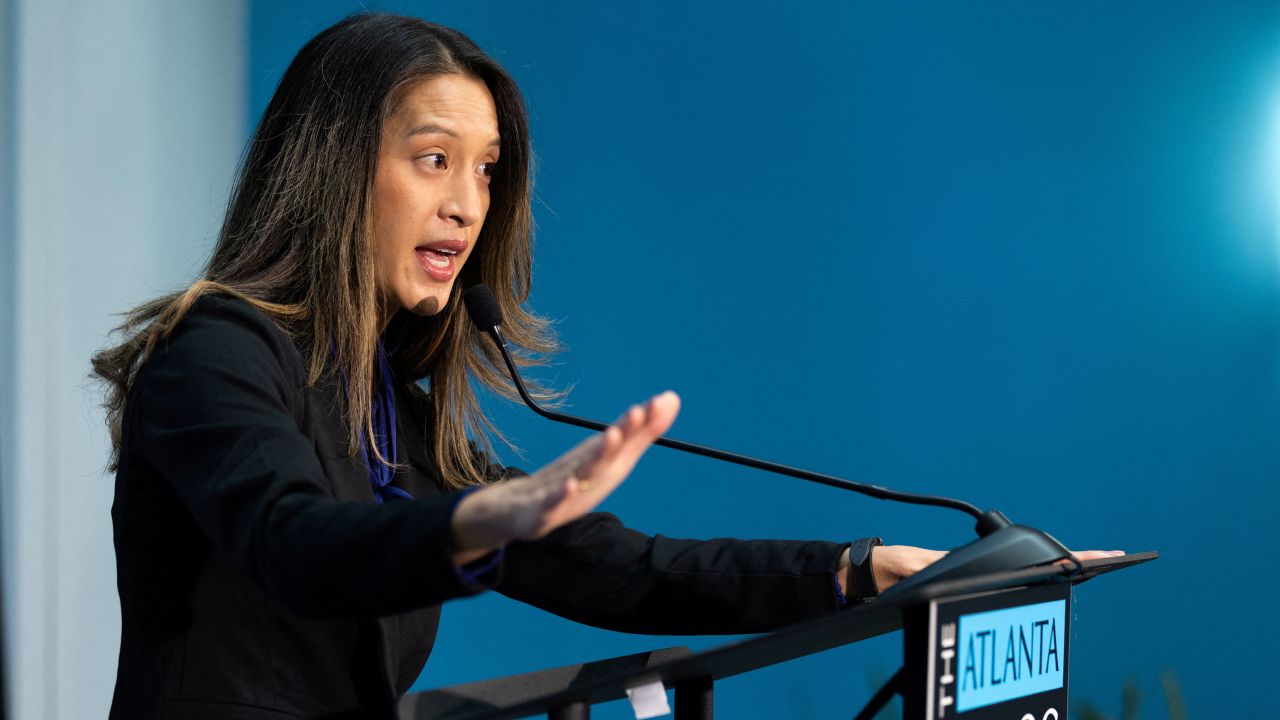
(127, 122)
(6, 299)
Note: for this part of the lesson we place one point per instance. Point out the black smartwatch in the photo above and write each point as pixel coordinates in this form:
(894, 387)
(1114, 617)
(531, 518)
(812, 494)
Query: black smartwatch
(864, 580)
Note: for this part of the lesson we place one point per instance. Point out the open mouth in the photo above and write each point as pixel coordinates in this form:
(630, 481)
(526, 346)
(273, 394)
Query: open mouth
(437, 258)
(440, 258)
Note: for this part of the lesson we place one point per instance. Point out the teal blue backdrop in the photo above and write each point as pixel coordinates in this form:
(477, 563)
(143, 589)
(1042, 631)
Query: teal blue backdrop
(1020, 252)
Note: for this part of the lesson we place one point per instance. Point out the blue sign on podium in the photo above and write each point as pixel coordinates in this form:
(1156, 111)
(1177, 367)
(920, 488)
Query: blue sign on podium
(990, 656)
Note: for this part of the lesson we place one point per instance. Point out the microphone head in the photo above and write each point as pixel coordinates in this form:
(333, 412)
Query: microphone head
(482, 306)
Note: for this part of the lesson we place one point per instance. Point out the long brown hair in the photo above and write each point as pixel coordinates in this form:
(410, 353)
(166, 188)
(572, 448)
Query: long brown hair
(296, 240)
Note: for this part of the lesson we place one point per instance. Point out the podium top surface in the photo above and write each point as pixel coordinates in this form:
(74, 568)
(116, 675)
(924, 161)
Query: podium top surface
(677, 665)
(870, 620)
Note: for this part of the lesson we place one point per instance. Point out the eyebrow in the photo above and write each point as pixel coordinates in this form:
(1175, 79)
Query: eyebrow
(433, 129)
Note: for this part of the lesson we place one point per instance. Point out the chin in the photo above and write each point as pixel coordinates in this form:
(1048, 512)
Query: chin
(432, 304)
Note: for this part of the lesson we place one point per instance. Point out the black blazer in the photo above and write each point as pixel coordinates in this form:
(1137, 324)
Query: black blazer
(258, 579)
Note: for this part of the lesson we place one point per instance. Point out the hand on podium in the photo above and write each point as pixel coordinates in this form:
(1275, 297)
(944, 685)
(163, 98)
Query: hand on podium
(892, 563)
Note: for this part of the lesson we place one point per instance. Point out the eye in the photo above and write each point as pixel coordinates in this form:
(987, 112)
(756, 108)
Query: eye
(435, 161)
(486, 169)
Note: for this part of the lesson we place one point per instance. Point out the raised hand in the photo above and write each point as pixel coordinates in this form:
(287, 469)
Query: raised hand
(529, 507)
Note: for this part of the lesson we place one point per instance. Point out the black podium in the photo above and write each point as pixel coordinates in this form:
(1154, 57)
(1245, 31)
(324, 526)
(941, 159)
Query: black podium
(974, 648)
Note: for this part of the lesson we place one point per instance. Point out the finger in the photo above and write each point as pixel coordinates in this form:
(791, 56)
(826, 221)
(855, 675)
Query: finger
(655, 414)
(584, 452)
(663, 409)
(591, 471)
(1086, 555)
(632, 437)
(1097, 554)
(622, 420)
(625, 441)
(658, 414)
(611, 441)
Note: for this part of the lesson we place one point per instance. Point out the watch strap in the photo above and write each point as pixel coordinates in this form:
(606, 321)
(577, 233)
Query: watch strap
(860, 571)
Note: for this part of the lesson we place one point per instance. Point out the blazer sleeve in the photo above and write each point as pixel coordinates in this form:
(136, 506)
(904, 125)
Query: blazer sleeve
(598, 572)
(216, 410)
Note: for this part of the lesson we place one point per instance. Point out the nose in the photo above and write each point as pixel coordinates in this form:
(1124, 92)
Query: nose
(463, 203)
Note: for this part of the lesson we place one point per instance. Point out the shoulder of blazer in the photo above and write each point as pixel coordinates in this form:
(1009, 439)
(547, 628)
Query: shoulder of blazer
(228, 332)
(216, 319)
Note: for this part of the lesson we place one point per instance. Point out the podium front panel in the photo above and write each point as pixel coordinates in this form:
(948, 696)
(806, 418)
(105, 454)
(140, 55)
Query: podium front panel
(996, 655)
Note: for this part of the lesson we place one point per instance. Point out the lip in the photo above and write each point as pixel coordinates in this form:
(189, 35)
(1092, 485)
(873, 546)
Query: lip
(451, 244)
(437, 266)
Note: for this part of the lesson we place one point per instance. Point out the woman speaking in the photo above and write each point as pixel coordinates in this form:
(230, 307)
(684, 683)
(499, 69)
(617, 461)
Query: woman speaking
(303, 470)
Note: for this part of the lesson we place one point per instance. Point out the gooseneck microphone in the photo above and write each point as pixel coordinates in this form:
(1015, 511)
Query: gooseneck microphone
(485, 313)
(1001, 545)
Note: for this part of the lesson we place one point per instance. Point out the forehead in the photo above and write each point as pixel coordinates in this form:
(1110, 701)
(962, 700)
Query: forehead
(460, 103)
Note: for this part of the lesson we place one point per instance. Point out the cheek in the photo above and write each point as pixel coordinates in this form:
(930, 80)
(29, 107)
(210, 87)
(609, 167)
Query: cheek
(383, 247)
(479, 225)
(388, 233)
(385, 203)
(484, 213)
(391, 202)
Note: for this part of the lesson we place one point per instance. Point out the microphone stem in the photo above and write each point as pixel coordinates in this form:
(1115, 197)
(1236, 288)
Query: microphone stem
(875, 491)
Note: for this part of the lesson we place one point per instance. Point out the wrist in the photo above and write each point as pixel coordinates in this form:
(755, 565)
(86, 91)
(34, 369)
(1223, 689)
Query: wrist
(863, 580)
(844, 583)
(885, 560)
(465, 557)
(468, 540)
